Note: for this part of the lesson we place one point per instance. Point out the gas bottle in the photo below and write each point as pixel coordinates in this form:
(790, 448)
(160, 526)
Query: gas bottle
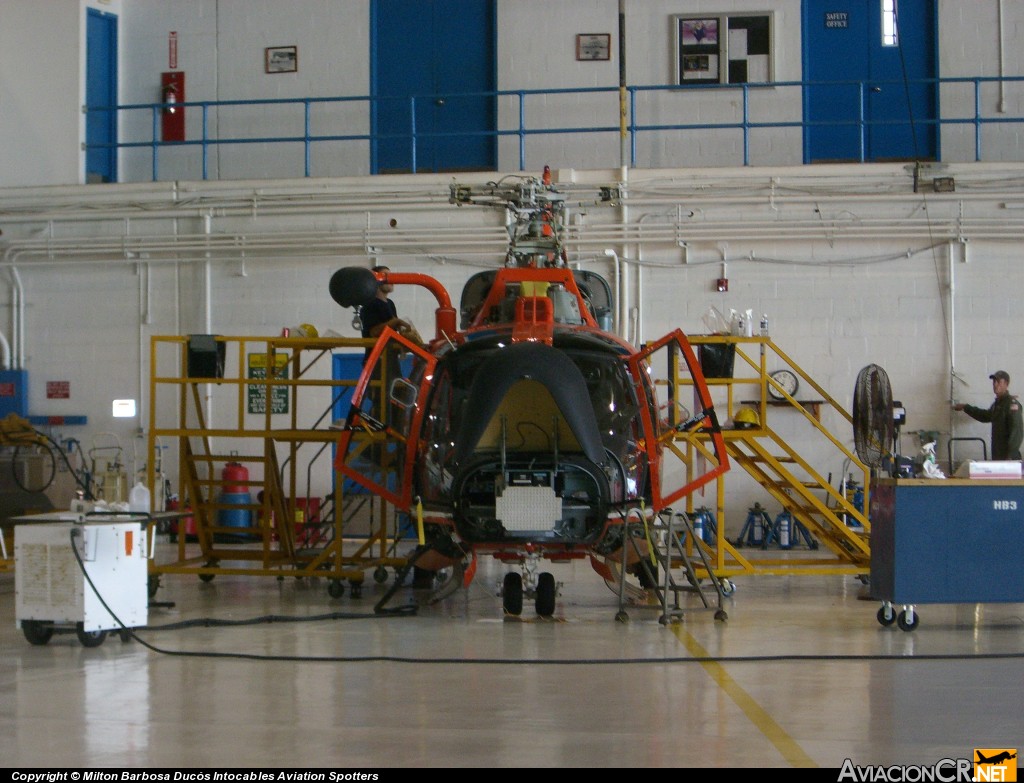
(698, 527)
(235, 477)
(782, 523)
(138, 498)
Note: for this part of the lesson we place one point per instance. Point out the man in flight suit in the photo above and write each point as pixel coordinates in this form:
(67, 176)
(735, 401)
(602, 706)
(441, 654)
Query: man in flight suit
(1005, 416)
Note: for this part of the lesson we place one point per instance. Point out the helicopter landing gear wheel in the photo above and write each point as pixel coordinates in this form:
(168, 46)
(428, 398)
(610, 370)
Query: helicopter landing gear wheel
(335, 588)
(36, 633)
(545, 599)
(908, 619)
(89, 638)
(512, 593)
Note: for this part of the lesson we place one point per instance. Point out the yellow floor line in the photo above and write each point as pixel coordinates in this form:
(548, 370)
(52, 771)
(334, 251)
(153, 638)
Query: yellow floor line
(776, 735)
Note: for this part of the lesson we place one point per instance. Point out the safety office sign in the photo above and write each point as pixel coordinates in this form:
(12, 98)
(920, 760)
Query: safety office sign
(257, 392)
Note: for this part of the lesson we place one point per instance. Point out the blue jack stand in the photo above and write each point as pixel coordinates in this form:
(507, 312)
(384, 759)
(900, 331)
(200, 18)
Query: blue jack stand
(756, 528)
(704, 525)
(788, 532)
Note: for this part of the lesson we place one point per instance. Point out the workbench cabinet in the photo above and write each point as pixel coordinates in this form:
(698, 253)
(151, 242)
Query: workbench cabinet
(939, 541)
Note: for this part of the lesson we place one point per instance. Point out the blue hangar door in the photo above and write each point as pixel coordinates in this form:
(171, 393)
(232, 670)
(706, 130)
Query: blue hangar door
(100, 90)
(438, 52)
(889, 47)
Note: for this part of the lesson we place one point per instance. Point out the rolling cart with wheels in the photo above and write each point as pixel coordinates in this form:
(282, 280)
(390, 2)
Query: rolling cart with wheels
(954, 541)
(53, 593)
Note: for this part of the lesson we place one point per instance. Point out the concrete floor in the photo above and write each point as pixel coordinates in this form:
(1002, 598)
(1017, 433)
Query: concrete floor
(807, 678)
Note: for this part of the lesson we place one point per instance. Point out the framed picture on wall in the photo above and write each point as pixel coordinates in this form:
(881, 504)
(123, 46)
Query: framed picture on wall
(593, 46)
(281, 59)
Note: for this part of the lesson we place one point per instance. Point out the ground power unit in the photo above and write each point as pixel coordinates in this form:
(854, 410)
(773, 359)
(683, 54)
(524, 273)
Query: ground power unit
(52, 589)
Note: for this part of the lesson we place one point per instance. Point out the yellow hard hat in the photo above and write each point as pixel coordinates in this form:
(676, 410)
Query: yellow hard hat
(746, 419)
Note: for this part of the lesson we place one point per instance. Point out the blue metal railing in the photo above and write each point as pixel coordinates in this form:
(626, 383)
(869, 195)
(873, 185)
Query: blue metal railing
(635, 128)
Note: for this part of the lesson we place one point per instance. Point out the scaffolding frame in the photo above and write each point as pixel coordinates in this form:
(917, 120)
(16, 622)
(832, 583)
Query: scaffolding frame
(776, 465)
(271, 419)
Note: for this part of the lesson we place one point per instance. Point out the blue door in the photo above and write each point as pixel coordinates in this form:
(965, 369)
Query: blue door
(434, 55)
(879, 57)
(100, 91)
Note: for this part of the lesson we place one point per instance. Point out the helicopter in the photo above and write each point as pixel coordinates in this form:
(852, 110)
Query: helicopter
(529, 431)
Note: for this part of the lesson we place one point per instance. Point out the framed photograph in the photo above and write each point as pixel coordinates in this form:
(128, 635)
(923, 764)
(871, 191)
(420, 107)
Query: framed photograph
(593, 46)
(281, 59)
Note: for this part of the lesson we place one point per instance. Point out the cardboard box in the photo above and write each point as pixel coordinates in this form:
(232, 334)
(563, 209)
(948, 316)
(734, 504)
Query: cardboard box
(994, 469)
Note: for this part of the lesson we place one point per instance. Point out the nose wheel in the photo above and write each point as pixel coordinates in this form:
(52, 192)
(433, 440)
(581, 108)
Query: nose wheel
(544, 594)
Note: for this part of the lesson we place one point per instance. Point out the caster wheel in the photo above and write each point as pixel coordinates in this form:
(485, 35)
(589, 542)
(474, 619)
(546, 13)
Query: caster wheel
(545, 599)
(35, 632)
(728, 588)
(206, 577)
(512, 593)
(89, 638)
(355, 589)
(621, 617)
(152, 585)
(335, 588)
(380, 575)
(125, 635)
(907, 620)
(886, 616)
(721, 615)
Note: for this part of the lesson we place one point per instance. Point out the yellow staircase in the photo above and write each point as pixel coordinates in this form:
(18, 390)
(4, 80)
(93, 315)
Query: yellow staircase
(768, 452)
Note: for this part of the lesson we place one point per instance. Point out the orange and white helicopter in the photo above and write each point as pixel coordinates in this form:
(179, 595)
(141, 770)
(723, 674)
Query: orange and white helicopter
(529, 431)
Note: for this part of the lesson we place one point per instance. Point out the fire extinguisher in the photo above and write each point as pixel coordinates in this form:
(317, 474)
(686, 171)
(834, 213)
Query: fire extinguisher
(170, 98)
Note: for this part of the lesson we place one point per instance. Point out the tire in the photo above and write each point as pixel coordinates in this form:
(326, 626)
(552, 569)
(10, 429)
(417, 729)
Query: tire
(36, 633)
(545, 599)
(89, 638)
(512, 593)
(335, 588)
(908, 624)
(886, 618)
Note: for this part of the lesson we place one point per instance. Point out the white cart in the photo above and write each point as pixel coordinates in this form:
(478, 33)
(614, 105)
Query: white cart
(52, 589)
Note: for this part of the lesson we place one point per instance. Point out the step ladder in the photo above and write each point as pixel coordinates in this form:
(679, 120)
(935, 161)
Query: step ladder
(667, 556)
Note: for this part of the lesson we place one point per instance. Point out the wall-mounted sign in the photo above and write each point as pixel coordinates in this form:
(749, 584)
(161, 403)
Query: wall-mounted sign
(172, 49)
(257, 396)
(837, 20)
(58, 390)
(593, 46)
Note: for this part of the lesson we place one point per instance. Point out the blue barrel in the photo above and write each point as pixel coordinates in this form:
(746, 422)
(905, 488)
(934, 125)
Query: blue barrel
(234, 517)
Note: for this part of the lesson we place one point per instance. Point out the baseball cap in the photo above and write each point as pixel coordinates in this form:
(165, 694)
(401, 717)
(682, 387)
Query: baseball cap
(1000, 375)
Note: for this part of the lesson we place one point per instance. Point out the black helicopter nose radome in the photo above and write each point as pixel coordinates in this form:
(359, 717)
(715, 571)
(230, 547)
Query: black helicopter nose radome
(353, 286)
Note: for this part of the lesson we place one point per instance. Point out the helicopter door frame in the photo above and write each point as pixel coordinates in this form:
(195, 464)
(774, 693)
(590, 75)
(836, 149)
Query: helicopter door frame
(706, 445)
(396, 424)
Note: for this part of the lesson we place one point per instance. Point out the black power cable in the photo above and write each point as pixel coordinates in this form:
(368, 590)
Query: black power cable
(788, 658)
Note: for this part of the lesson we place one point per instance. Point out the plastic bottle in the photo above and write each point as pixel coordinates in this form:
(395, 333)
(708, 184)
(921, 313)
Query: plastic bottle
(138, 498)
(764, 325)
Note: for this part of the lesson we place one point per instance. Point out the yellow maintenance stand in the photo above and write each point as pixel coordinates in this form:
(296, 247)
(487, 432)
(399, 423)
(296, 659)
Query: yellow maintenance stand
(250, 420)
(783, 407)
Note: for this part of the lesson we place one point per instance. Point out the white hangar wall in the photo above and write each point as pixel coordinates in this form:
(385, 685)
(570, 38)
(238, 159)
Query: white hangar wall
(220, 49)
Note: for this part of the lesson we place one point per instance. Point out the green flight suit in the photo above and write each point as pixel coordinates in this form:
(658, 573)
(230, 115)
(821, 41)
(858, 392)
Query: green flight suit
(1007, 427)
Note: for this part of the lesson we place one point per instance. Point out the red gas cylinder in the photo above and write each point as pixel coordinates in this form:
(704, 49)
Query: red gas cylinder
(235, 477)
